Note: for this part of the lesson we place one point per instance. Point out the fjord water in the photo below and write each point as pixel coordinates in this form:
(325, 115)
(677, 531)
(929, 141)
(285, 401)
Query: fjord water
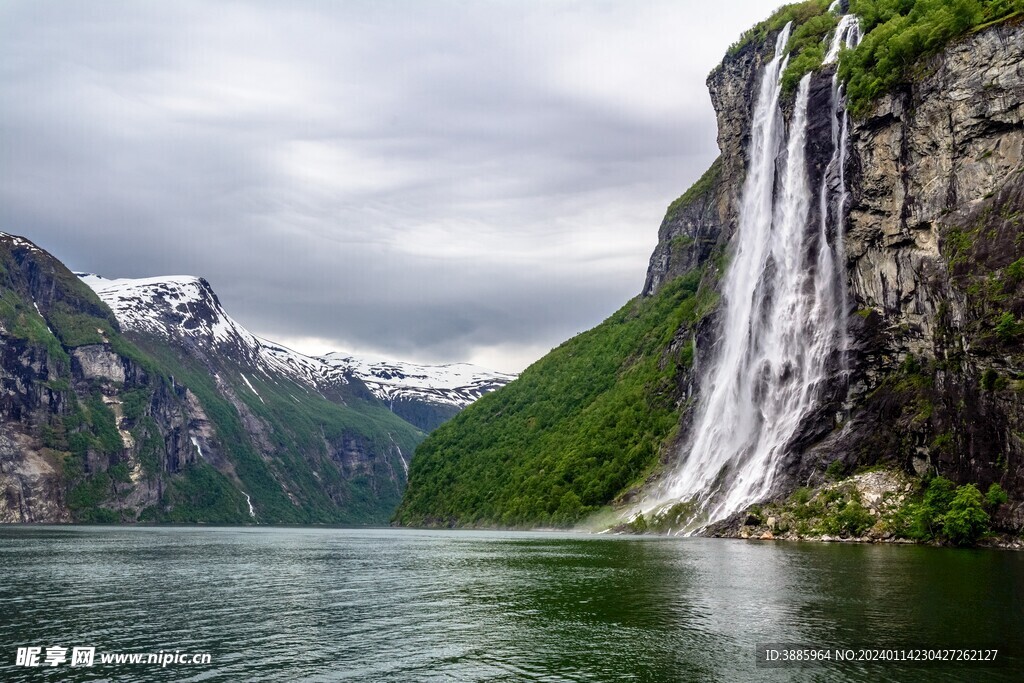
(400, 605)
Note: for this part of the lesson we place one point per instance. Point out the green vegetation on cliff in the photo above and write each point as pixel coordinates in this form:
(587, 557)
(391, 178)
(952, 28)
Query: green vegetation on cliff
(122, 446)
(576, 429)
(807, 47)
(878, 504)
(699, 189)
(899, 33)
(798, 13)
(299, 484)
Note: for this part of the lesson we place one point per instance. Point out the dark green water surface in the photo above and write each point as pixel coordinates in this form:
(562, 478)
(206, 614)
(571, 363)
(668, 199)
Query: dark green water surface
(398, 605)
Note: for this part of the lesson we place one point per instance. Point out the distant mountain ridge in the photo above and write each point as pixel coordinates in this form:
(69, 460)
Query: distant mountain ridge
(186, 310)
(152, 404)
(175, 415)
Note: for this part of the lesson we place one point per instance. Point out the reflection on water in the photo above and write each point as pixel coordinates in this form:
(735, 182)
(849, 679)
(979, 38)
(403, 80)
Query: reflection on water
(397, 605)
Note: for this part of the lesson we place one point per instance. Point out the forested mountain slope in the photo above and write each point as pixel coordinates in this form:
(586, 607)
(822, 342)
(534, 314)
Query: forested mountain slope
(100, 424)
(928, 237)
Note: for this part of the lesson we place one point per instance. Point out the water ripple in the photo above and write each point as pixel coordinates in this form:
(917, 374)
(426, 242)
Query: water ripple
(393, 605)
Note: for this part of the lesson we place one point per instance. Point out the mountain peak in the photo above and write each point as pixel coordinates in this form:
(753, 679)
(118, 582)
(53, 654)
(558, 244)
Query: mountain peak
(172, 306)
(186, 309)
(18, 241)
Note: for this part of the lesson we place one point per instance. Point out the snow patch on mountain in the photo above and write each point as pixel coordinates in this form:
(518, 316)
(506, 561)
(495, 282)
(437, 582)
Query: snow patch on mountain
(185, 308)
(169, 306)
(457, 384)
(16, 241)
(251, 387)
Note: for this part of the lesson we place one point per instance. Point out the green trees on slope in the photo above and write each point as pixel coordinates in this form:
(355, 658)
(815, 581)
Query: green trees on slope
(798, 13)
(807, 47)
(576, 429)
(899, 33)
(958, 514)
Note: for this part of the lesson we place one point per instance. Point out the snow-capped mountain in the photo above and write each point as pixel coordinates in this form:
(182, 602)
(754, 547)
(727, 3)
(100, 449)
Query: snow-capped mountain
(170, 411)
(187, 310)
(457, 384)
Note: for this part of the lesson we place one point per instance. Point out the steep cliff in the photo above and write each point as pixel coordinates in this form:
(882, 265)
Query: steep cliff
(935, 176)
(934, 248)
(933, 265)
(98, 424)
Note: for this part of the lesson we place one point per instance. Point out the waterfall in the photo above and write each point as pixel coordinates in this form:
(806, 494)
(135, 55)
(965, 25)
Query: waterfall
(847, 34)
(248, 500)
(782, 327)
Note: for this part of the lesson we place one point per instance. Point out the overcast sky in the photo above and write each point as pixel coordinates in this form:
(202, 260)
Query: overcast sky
(420, 180)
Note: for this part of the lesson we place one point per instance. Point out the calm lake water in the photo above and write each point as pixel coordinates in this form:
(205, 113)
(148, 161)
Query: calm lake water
(398, 605)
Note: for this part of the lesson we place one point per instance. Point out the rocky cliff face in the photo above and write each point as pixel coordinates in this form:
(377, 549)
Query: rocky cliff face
(698, 226)
(181, 423)
(61, 415)
(934, 231)
(934, 247)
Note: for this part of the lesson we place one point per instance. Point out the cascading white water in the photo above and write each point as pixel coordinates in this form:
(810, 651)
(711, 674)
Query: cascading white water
(783, 308)
(847, 34)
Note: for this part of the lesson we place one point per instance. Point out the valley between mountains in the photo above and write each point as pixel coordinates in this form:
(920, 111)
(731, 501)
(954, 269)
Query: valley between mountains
(143, 400)
(829, 342)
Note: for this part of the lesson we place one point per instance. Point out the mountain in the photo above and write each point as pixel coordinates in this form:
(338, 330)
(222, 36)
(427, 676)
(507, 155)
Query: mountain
(185, 311)
(169, 411)
(830, 336)
(424, 395)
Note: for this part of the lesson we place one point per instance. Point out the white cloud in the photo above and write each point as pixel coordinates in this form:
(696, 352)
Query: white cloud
(441, 180)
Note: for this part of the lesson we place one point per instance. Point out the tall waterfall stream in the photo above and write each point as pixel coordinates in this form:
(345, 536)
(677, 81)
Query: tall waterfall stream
(782, 335)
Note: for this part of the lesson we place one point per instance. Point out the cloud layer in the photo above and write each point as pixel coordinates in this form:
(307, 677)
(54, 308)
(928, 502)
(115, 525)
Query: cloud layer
(433, 181)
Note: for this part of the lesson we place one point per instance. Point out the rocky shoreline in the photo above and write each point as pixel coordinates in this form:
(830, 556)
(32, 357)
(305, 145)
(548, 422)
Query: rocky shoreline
(997, 541)
(882, 505)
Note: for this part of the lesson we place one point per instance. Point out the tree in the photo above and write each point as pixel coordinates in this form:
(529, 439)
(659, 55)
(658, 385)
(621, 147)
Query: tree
(926, 516)
(996, 496)
(966, 521)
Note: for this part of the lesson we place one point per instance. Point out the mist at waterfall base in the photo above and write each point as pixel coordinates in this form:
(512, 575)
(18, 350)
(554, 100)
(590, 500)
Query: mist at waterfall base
(782, 333)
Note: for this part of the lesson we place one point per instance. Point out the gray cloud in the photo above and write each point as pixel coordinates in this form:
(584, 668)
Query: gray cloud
(436, 181)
